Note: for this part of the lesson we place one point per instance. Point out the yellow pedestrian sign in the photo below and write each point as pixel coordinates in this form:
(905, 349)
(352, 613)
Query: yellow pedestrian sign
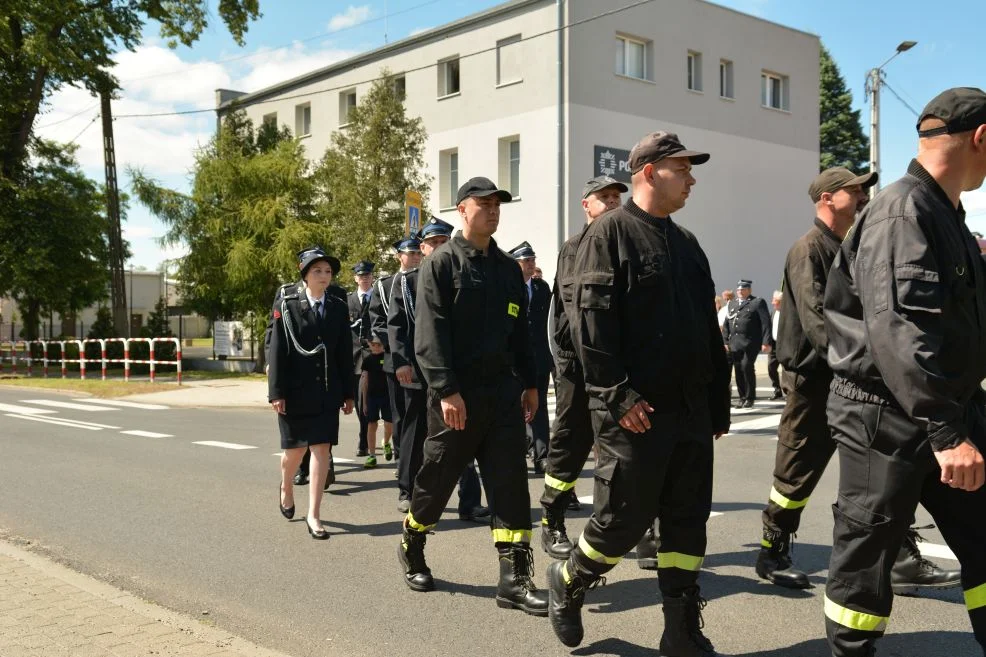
(412, 212)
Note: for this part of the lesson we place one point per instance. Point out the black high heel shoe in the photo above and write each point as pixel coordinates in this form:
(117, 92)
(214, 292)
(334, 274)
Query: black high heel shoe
(287, 512)
(319, 534)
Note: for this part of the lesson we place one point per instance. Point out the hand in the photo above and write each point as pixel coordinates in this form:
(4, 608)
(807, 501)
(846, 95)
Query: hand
(636, 420)
(347, 406)
(278, 405)
(962, 467)
(765, 349)
(719, 434)
(404, 375)
(454, 412)
(529, 402)
(376, 348)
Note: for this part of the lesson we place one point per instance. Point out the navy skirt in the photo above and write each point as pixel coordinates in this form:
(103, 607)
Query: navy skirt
(305, 430)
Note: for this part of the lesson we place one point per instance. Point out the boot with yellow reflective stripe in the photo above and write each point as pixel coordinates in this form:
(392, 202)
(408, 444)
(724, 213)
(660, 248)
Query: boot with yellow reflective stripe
(516, 589)
(554, 537)
(683, 627)
(566, 594)
(774, 561)
(411, 553)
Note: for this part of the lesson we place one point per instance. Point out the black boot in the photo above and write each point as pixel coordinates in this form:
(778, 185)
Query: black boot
(516, 589)
(683, 627)
(411, 554)
(565, 602)
(647, 550)
(554, 539)
(912, 572)
(774, 562)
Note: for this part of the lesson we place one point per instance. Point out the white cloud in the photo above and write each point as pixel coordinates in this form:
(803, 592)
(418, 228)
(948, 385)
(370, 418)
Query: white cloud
(350, 17)
(134, 231)
(273, 66)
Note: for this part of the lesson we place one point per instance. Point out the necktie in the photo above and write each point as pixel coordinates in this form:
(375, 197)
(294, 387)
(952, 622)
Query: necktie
(318, 309)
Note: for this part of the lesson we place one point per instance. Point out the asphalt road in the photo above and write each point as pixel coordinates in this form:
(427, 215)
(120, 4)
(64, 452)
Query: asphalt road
(195, 528)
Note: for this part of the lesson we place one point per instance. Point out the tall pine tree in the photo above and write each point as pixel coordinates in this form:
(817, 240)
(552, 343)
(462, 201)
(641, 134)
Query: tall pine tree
(841, 139)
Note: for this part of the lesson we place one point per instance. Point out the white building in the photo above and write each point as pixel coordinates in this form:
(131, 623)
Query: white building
(507, 94)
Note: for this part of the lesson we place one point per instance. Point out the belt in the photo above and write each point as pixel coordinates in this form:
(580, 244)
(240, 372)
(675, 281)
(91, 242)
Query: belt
(868, 393)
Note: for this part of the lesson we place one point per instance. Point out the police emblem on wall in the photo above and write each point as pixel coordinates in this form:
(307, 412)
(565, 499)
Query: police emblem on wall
(613, 162)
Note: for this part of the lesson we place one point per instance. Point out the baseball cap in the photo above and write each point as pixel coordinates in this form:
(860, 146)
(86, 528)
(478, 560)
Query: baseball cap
(961, 108)
(481, 187)
(659, 145)
(836, 178)
(602, 182)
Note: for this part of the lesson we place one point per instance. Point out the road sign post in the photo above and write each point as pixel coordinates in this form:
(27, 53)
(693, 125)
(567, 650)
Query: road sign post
(412, 212)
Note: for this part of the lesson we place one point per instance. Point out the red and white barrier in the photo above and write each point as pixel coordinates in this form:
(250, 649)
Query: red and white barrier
(11, 348)
(9, 354)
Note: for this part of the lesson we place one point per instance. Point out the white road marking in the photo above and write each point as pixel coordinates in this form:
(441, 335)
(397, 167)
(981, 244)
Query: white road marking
(147, 434)
(61, 404)
(219, 443)
(49, 420)
(587, 499)
(335, 459)
(24, 410)
(126, 404)
(936, 551)
(768, 422)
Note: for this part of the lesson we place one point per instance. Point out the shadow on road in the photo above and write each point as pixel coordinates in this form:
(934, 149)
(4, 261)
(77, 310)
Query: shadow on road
(915, 644)
(616, 647)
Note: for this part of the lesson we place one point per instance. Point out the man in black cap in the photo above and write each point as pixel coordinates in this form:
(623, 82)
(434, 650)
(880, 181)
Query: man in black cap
(414, 422)
(408, 252)
(644, 326)
(471, 338)
(363, 349)
(572, 434)
(538, 305)
(905, 308)
(747, 333)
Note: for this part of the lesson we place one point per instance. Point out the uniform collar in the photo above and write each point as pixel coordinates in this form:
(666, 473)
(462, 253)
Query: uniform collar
(470, 250)
(915, 169)
(635, 210)
(827, 231)
(312, 300)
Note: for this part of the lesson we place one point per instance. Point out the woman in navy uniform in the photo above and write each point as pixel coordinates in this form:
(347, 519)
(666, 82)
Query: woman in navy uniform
(309, 379)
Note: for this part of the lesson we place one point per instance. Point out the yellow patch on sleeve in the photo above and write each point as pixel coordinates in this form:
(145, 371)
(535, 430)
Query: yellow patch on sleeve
(513, 309)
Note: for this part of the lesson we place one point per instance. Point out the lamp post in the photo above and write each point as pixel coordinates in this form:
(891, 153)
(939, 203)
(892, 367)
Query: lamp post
(873, 81)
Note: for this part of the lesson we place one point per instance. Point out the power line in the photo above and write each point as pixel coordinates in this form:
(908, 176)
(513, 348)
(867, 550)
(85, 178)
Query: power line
(80, 112)
(897, 96)
(88, 125)
(424, 67)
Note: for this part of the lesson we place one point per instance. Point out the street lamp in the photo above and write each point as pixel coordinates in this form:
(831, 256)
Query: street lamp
(873, 81)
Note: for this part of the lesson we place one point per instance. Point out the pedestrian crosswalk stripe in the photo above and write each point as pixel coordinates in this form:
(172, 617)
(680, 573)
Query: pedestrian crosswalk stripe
(24, 410)
(147, 434)
(936, 551)
(60, 404)
(48, 420)
(219, 443)
(757, 424)
(125, 404)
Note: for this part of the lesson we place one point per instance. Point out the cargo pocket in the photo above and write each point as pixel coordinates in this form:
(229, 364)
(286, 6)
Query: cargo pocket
(918, 289)
(607, 496)
(595, 291)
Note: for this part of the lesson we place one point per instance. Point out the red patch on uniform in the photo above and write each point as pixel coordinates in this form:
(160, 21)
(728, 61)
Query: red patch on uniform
(277, 314)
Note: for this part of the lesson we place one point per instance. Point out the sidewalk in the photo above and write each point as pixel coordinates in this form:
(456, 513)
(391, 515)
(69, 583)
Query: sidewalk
(47, 610)
(226, 393)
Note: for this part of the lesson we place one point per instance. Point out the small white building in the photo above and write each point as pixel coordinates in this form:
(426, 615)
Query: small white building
(541, 95)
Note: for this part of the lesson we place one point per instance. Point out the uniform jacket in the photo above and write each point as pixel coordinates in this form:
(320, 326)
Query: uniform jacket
(379, 305)
(471, 315)
(400, 325)
(359, 321)
(646, 321)
(563, 294)
(333, 290)
(905, 309)
(310, 385)
(747, 325)
(537, 322)
(802, 344)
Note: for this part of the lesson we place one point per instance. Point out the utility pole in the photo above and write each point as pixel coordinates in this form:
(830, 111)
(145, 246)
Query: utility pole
(118, 287)
(874, 79)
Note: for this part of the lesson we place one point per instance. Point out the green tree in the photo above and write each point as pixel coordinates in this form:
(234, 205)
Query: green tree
(61, 245)
(103, 326)
(841, 139)
(47, 44)
(365, 172)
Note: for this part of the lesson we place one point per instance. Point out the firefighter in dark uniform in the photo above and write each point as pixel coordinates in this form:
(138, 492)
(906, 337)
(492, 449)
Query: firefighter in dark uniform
(538, 305)
(747, 333)
(414, 427)
(655, 369)
(363, 349)
(408, 255)
(571, 435)
(335, 290)
(309, 379)
(471, 342)
(804, 442)
(905, 313)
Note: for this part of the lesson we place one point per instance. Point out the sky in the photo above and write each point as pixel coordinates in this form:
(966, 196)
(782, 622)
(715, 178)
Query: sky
(297, 36)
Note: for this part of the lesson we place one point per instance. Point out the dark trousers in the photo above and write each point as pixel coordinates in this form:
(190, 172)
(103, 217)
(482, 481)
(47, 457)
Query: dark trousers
(772, 366)
(395, 392)
(494, 435)
(360, 415)
(804, 448)
(571, 436)
(886, 468)
(744, 364)
(665, 473)
(540, 430)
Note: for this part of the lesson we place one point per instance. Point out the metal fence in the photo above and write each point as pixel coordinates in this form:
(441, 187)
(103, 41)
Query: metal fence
(27, 354)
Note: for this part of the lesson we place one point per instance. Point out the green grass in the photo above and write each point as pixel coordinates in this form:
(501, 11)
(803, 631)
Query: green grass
(96, 388)
(198, 342)
(202, 375)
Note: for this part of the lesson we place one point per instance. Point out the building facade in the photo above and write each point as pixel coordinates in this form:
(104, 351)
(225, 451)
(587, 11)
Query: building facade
(541, 95)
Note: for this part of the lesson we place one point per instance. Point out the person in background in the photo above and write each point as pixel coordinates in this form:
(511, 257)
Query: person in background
(772, 364)
(747, 333)
(363, 348)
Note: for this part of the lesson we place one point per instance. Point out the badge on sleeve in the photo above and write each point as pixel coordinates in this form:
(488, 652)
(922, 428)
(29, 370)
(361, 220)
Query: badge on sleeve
(277, 314)
(513, 309)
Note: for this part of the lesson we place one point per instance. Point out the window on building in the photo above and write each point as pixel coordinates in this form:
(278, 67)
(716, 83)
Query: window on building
(694, 70)
(347, 101)
(632, 57)
(270, 119)
(774, 91)
(400, 87)
(726, 79)
(303, 120)
(448, 177)
(508, 63)
(509, 160)
(448, 77)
